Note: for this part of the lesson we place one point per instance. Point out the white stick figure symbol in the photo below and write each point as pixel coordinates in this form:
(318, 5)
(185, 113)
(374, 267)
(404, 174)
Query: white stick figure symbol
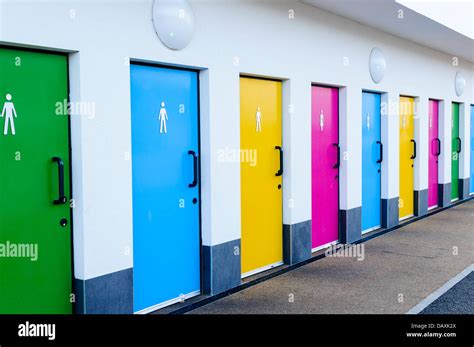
(321, 120)
(9, 111)
(258, 117)
(163, 117)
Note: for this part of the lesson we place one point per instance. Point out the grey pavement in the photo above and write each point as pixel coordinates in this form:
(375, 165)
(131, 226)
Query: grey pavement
(400, 269)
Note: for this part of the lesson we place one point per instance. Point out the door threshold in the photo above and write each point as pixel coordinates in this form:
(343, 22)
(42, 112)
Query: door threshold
(261, 269)
(432, 207)
(406, 217)
(453, 200)
(315, 249)
(371, 229)
(169, 302)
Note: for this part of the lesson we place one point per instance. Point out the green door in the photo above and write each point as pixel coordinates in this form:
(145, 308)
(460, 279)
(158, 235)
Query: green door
(456, 149)
(35, 228)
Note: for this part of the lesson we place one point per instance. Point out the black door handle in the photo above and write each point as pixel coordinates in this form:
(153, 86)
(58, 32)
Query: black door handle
(380, 153)
(62, 198)
(459, 144)
(280, 171)
(414, 149)
(195, 169)
(438, 141)
(338, 162)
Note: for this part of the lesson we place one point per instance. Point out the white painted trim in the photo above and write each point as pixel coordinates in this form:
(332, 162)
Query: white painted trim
(261, 269)
(324, 246)
(406, 217)
(169, 302)
(453, 200)
(371, 229)
(432, 207)
(443, 289)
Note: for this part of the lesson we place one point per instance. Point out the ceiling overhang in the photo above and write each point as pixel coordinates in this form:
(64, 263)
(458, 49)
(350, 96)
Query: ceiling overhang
(384, 15)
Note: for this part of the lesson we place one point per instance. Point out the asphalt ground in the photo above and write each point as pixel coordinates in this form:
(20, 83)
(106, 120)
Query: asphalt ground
(457, 300)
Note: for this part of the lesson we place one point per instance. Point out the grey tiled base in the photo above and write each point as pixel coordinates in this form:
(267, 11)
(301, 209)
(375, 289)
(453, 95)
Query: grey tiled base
(390, 212)
(350, 225)
(296, 242)
(421, 202)
(444, 194)
(107, 294)
(221, 267)
(464, 188)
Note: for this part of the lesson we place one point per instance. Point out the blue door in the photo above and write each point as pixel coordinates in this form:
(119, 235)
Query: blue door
(165, 183)
(372, 157)
(472, 148)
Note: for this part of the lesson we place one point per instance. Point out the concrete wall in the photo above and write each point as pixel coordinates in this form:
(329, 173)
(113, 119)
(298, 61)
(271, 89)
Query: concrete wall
(231, 38)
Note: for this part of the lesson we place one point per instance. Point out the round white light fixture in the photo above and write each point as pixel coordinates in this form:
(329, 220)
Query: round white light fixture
(459, 83)
(377, 65)
(174, 22)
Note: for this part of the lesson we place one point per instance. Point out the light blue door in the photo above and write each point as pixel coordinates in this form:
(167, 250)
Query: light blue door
(472, 148)
(372, 157)
(165, 182)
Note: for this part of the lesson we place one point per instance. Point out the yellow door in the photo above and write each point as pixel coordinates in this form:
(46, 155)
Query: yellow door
(261, 180)
(407, 155)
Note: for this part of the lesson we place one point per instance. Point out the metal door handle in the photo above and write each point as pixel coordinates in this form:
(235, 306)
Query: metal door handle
(62, 198)
(380, 153)
(280, 171)
(438, 141)
(195, 169)
(459, 144)
(338, 162)
(414, 149)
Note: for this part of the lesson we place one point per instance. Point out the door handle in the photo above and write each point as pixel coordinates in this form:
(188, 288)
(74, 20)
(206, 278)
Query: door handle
(414, 149)
(438, 141)
(62, 198)
(338, 162)
(459, 144)
(195, 169)
(380, 153)
(280, 171)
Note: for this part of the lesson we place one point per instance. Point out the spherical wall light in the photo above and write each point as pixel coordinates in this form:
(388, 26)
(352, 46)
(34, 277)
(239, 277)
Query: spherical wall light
(377, 65)
(459, 83)
(174, 22)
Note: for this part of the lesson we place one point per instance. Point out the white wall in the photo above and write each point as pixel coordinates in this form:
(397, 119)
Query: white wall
(310, 48)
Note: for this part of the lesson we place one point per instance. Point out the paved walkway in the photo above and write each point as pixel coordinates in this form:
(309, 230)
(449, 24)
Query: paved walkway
(400, 269)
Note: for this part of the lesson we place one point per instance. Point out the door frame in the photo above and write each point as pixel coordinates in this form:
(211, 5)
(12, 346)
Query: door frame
(282, 262)
(339, 231)
(75, 304)
(415, 99)
(459, 133)
(438, 101)
(363, 232)
(471, 116)
(133, 61)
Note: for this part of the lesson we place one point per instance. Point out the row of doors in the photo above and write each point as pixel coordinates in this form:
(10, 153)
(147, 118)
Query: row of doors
(155, 150)
(372, 156)
(165, 179)
(164, 162)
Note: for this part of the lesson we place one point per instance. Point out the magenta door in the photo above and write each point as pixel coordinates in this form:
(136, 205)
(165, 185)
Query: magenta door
(325, 164)
(434, 152)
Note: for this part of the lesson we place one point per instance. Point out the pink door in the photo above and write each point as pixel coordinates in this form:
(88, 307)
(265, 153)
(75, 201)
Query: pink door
(325, 165)
(434, 152)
